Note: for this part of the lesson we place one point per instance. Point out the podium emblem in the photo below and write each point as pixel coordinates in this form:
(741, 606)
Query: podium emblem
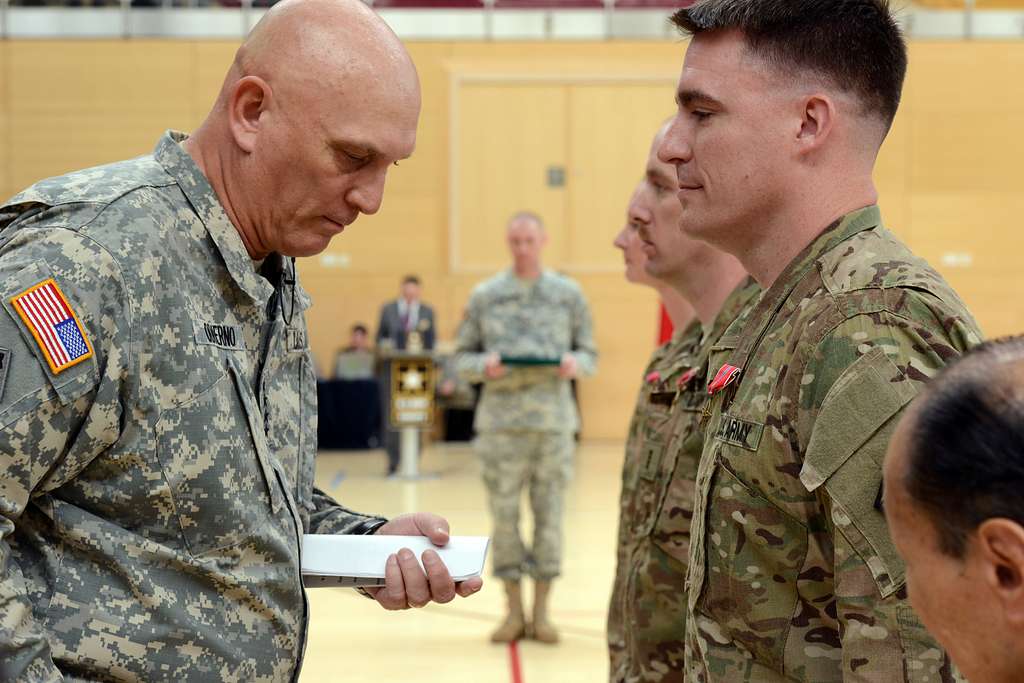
(412, 392)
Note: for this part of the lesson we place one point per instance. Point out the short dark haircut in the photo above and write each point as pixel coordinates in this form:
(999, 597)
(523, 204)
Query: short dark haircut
(359, 327)
(856, 44)
(965, 451)
(411, 280)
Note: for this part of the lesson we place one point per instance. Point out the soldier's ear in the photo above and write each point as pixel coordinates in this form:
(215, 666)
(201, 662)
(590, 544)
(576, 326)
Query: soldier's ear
(246, 108)
(1000, 544)
(817, 120)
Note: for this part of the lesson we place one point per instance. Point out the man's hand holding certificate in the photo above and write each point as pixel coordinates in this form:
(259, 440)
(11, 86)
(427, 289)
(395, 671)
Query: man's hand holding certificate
(407, 581)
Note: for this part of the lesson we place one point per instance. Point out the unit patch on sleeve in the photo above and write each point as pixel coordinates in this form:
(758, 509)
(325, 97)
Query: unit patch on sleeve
(51, 320)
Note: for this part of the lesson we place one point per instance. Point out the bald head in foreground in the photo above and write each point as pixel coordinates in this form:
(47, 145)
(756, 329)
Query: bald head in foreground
(157, 390)
(321, 100)
(954, 475)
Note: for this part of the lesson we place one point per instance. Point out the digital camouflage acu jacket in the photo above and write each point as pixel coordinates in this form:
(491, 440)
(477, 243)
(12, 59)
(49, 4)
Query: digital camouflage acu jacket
(153, 493)
(543, 319)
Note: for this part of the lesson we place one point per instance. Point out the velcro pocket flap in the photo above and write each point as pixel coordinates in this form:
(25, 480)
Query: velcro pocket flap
(845, 455)
(867, 395)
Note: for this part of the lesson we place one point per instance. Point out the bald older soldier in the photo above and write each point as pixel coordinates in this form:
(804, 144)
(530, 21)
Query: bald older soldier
(954, 474)
(527, 332)
(783, 106)
(648, 605)
(158, 407)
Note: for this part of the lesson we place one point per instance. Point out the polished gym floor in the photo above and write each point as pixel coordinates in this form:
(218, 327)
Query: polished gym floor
(353, 640)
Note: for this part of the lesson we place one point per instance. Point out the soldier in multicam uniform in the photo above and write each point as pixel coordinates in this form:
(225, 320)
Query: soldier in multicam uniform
(783, 105)
(683, 318)
(158, 405)
(648, 605)
(526, 333)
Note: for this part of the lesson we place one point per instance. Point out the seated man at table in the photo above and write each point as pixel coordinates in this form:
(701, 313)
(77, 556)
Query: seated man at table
(355, 361)
(358, 339)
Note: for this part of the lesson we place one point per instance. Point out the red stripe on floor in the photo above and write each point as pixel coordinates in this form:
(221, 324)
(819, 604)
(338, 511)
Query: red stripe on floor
(513, 662)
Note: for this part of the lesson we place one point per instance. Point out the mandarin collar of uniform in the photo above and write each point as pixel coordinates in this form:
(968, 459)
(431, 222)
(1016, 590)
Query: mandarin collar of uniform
(773, 299)
(829, 238)
(179, 165)
(513, 280)
(302, 298)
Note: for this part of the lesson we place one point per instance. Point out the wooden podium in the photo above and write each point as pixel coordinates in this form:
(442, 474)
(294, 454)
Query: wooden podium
(410, 390)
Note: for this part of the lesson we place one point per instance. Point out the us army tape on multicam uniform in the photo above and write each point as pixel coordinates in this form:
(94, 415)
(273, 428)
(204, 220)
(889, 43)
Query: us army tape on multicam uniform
(530, 406)
(655, 525)
(793, 575)
(154, 493)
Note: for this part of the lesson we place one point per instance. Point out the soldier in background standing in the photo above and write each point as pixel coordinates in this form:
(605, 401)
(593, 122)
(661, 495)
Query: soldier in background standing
(783, 106)
(526, 334)
(647, 614)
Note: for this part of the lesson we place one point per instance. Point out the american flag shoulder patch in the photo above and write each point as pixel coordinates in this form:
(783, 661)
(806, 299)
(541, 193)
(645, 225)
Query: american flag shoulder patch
(51, 320)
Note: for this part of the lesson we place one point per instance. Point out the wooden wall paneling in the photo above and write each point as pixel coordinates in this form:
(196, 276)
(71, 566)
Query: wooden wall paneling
(7, 188)
(625, 328)
(892, 176)
(992, 297)
(340, 301)
(974, 240)
(459, 287)
(211, 60)
(967, 109)
(80, 104)
(509, 135)
(610, 131)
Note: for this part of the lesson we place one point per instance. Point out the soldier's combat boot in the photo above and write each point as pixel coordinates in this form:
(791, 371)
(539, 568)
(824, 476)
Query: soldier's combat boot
(514, 626)
(543, 630)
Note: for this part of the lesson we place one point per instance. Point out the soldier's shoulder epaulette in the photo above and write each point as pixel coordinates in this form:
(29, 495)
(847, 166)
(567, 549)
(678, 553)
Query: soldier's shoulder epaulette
(74, 201)
(565, 282)
(490, 287)
(97, 185)
(876, 259)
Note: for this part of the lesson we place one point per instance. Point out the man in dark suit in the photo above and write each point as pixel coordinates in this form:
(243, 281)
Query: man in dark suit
(405, 324)
(405, 315)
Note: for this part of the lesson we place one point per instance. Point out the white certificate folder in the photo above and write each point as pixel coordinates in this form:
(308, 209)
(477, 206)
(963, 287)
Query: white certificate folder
(358, 561)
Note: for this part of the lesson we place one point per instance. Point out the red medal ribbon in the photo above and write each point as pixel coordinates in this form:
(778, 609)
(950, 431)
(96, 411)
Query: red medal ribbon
(686, 377)
(726, 375)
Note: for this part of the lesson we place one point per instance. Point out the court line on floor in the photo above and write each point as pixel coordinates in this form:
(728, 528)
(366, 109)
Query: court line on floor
(513, 662)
